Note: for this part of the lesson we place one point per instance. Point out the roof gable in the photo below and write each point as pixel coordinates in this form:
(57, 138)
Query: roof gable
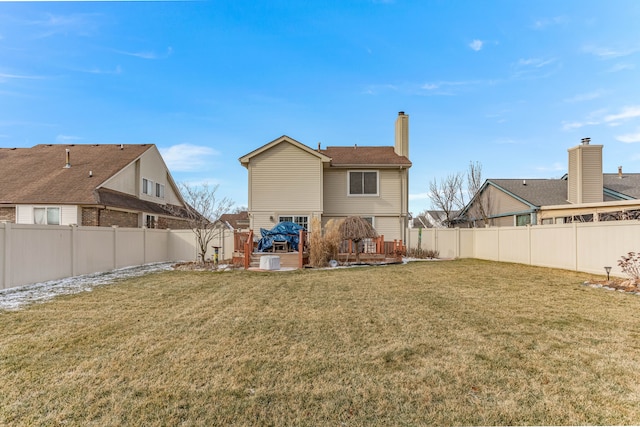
(39, 175)
(244, 160)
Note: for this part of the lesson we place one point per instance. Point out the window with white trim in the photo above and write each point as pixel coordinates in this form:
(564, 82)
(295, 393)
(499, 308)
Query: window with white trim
(159, 190)
(150, 221)
(46, 215)
(147, 186)
(363, 183)
(301, 220)
(522, 220)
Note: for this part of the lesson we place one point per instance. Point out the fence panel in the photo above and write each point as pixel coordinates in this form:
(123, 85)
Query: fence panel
(514, 244)
(554, 246)
(94, 249)
(487, 243)
(39, 253)
(601, 244)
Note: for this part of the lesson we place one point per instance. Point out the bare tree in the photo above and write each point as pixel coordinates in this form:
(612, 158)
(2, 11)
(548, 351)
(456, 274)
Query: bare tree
(203, 210)
(482, 205)
(447, 196)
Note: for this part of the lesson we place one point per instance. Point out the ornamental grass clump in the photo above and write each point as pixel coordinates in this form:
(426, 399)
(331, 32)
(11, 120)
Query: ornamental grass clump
(323, 248)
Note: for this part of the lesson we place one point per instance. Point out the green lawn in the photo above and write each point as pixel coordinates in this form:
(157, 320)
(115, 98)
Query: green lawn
(463, 342)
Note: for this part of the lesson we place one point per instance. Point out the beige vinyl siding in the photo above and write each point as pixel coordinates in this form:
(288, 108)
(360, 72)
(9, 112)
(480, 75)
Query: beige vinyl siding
(503, 203)
(592, 175)
(388, 226)
(285, 180)
(124, 181)
(572, 184)
(338, 202)
(585, 174)
(150, 166)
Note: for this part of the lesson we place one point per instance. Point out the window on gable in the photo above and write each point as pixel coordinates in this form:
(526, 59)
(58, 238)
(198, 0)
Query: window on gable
(363, 183)
(160, 190)
(147, 186)
(46, 215)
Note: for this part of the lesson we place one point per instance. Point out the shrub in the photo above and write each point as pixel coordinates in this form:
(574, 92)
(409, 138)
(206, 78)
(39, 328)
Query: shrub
(424, 253)
(630, 265)
(323, 248)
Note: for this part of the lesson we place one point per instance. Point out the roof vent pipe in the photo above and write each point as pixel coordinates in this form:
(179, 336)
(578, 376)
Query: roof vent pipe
(68, 157)
(121, 146)
(619, 171)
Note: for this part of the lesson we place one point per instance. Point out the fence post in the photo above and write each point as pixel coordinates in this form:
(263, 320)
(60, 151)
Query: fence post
(74, 250)
(7, 256)
(115, 246)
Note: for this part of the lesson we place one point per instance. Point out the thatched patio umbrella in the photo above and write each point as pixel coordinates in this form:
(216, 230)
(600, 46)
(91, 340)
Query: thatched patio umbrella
(356, 228)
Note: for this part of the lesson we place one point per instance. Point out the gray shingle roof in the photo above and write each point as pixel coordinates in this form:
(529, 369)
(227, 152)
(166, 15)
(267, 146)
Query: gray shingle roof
(537, 192)
(549, 192)
(628, 185)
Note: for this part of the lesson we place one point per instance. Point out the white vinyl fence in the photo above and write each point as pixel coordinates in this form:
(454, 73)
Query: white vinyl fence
(587, 247)
(38, 253)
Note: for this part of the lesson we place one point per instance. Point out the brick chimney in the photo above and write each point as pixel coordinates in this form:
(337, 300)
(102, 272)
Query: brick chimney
(585, 183)
(402, 135)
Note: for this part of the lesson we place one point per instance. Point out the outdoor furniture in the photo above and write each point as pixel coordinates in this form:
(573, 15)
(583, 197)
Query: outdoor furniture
(280, 246)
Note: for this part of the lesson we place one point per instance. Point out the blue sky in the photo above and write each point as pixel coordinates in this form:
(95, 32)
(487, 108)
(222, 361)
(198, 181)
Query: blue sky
(510, 84)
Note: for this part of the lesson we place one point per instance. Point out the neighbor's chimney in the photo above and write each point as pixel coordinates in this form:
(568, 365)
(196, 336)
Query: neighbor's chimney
(619, 171)
(68, 157)
(585, 183)
(402, 135)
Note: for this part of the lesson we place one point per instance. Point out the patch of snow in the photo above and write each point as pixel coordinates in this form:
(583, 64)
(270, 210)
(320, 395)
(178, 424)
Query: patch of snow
(15, 298)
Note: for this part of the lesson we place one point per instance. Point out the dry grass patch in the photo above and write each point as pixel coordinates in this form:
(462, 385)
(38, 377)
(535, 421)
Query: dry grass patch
(440, 343)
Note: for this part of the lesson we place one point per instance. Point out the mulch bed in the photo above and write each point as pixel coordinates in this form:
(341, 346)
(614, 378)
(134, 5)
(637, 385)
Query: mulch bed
(621, 285)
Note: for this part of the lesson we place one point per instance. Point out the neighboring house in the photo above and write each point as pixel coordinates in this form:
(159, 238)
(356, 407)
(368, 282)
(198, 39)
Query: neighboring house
(91, 185)
(584, 194)
(289, 181)
(430, 219)
(235, 221)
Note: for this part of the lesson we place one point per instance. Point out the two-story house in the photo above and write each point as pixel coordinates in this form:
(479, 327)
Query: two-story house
(289, 181)
(124, 185)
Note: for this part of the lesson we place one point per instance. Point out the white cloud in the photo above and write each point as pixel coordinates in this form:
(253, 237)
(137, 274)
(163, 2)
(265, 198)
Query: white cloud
(476, 45)
(147, 55)
(629, 138)
(608, 52)
(627, 113)
(546, 22)
(187, 157)
(585, 96)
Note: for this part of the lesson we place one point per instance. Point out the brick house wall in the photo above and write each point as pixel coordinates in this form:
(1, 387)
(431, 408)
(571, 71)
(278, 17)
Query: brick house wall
(90, 217)
(8, 214)
(108, 217)
(172, 223)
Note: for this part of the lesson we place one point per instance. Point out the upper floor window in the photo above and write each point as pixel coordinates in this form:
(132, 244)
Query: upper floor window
(363, 183)
(49, 216)
(159, 190)
(147, 186)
